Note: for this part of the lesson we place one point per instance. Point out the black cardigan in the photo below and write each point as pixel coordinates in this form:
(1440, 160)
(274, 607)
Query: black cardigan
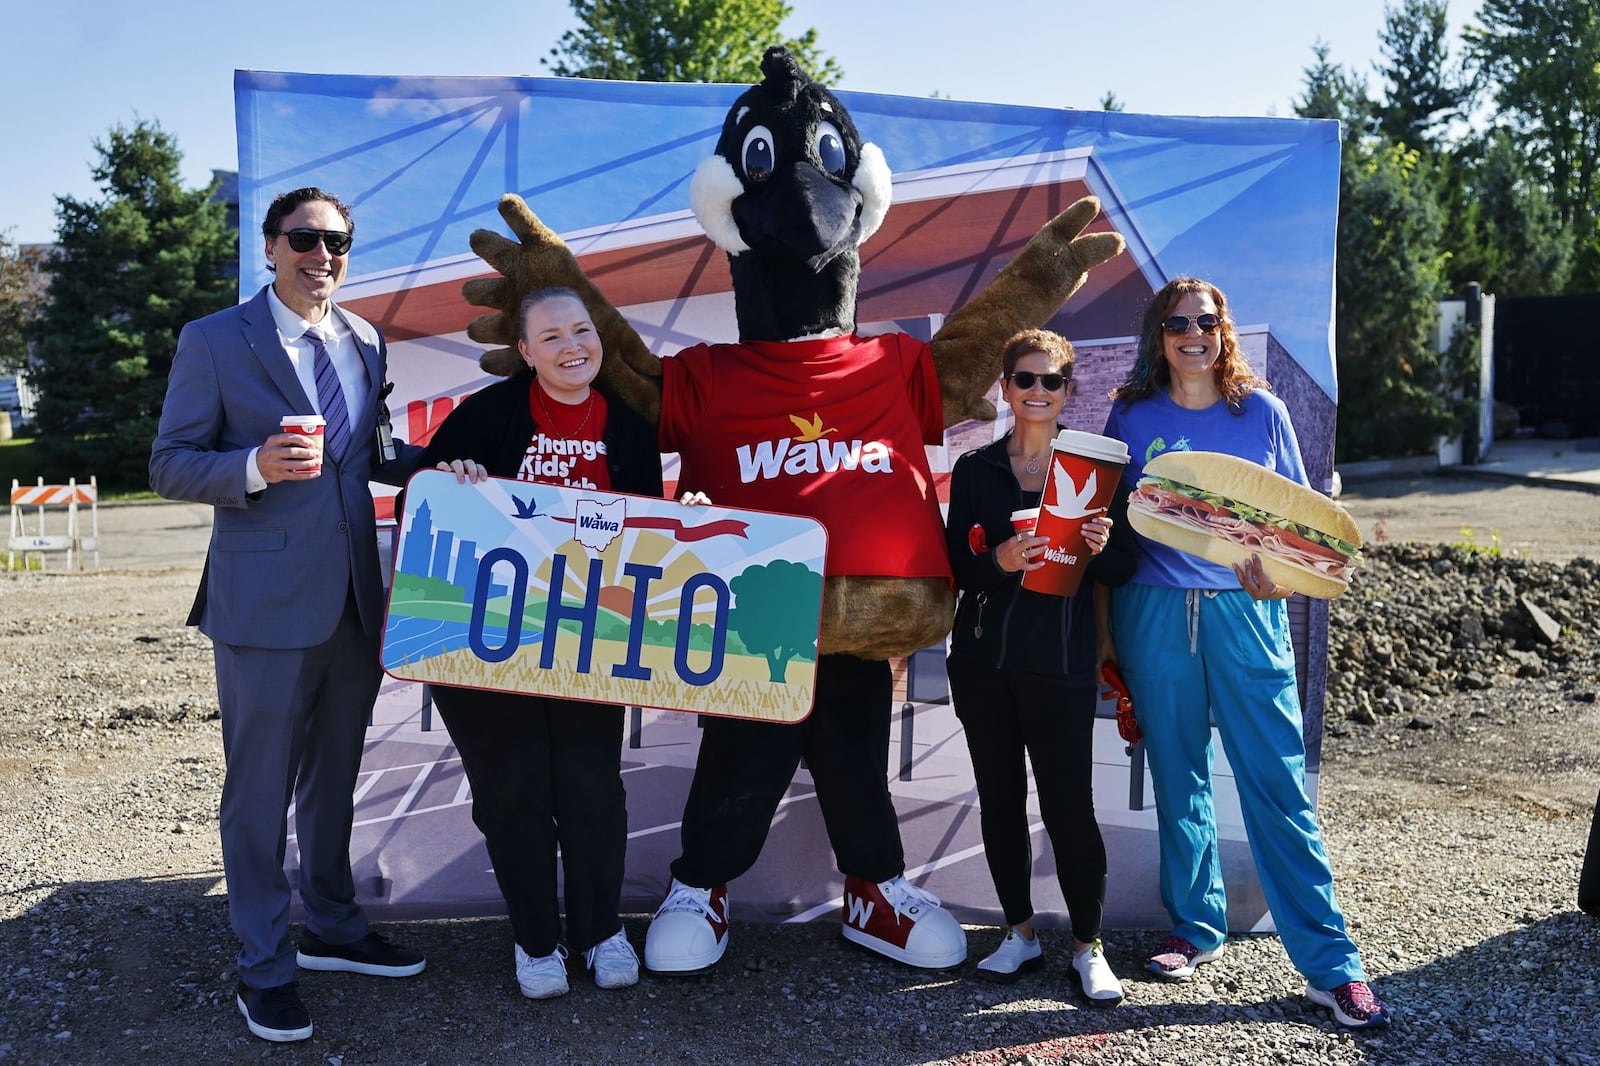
(494, 425)
(1022, 630)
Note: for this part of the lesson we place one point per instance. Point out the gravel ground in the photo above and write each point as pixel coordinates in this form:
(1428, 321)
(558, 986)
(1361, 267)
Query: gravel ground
(1456, 845)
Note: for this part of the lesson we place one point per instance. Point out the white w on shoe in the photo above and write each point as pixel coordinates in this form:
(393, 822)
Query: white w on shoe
(613, 962)
(1015, 956)
(1100, 986)
(543, 976)
(690, 930)
(900, 921)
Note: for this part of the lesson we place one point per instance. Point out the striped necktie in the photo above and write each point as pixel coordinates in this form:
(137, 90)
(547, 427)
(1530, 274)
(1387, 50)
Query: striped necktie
(330, 397)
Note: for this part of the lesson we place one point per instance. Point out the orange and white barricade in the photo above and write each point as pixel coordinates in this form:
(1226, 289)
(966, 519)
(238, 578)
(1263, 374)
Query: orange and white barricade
(41, 497)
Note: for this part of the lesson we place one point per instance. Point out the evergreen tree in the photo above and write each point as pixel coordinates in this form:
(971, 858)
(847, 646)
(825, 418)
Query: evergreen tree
(1501, 223)
(1394, 388)
(132, 268)
(19, 304)
(1542, 61)
(1388, 278)
(681, 40)
(1424, 90)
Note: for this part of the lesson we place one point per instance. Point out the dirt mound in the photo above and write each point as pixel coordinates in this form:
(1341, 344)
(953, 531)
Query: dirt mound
(1421, 622)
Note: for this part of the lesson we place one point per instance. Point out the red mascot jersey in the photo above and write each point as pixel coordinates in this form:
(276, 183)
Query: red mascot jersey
(748, 427)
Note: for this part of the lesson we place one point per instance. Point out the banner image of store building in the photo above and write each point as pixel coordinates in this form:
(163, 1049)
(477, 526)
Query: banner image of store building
(1246, 203)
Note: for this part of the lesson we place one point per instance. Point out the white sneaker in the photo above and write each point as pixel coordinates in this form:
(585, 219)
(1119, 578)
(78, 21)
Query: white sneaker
(1015, 956)
(690, 930)
(544, 977)
(902, 922)
(1093, 974)
(613, 962)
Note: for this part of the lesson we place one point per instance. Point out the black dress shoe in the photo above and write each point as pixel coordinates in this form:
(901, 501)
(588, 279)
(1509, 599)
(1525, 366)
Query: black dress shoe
(372, 954)
(274, 1013)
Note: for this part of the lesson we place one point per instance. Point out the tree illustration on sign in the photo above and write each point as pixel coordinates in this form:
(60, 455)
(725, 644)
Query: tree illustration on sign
(761, 615)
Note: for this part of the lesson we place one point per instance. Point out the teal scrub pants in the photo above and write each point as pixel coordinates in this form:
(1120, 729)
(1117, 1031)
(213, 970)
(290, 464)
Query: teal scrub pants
(1185, 652)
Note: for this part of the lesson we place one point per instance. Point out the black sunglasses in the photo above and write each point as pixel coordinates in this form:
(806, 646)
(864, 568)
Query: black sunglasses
(1025, 379)
(337, 242)
(1208, 323)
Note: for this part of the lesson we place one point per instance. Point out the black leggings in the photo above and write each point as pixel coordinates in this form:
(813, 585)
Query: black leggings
(1006, 713)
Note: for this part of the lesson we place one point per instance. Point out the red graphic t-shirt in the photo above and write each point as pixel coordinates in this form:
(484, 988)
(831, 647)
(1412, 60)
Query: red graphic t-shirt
(566, 448)
(750, 432)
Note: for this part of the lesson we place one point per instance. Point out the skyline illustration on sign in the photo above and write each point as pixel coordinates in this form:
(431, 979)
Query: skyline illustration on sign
(706, 609)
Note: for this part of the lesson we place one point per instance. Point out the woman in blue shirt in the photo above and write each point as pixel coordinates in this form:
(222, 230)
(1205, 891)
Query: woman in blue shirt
(1197, 640)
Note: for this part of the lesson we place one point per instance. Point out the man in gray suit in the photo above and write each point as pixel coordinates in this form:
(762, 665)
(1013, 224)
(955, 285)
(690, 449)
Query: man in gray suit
(291, 595)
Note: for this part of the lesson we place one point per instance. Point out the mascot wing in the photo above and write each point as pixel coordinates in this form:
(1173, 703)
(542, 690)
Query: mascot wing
(1024, 295)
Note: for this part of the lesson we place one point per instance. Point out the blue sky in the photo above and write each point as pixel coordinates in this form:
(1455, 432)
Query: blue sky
(76, 68)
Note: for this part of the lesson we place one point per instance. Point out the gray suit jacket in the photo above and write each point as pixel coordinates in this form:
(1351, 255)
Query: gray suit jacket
(281, 561)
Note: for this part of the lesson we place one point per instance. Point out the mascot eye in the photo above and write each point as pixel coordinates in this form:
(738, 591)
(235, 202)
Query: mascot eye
(758, 154)
(830, 149)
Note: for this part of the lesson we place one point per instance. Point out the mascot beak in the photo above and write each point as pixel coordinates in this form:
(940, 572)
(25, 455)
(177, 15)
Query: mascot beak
(807, 214)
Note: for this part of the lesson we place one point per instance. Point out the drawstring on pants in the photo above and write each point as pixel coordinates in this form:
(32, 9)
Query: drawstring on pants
(1191, 603)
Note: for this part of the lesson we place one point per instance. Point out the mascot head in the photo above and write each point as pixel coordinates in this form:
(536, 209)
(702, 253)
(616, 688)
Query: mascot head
(790, 195)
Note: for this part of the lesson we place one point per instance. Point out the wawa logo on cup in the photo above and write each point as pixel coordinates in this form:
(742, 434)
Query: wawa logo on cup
(306, 426)
(1084, 468)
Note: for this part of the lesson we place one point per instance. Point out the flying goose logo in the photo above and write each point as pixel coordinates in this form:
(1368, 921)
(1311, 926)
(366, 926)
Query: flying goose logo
(812, 430)
(1070, 502)
(528, 508)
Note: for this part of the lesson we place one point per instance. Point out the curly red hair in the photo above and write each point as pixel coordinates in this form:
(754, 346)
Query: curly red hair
(1235, 378)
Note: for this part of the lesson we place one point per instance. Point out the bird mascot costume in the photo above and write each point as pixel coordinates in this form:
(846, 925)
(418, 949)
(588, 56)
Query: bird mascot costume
(803, 416)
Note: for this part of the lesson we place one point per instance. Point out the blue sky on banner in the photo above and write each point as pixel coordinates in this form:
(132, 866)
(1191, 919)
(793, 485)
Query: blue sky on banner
(1247, 202)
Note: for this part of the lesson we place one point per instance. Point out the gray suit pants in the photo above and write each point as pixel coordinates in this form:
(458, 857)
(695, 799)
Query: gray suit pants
(293, 725)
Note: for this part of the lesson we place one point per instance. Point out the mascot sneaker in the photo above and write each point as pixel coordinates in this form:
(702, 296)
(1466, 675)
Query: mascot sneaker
(902, 922)
(690, 930)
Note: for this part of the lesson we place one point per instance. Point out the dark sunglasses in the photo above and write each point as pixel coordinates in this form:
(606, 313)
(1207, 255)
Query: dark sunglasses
(1024, 380)
(1208, 323)
(335, 241)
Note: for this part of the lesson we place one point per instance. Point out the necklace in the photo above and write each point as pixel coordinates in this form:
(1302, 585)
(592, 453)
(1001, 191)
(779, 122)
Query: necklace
(1032, 461)
(588, 409)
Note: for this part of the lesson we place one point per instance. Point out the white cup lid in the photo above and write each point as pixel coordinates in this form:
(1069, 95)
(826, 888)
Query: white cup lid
(1091, 446)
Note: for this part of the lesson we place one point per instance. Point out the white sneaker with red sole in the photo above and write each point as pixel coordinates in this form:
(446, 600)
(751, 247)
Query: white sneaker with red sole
(901, 921)
(690, 930)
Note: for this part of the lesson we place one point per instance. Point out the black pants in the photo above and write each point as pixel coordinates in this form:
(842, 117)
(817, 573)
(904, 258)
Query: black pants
(1006, 714)
(1589, 880)
(744, 768)
(546, 772)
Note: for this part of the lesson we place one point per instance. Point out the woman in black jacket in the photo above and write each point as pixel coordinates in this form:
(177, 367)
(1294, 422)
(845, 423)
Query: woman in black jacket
(547, 772)
(1022, 670)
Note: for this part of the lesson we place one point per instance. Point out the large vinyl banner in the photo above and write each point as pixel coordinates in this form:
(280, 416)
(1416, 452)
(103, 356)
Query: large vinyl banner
(1246, 203)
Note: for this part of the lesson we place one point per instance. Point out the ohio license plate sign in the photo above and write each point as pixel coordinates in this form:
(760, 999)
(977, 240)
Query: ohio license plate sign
(589, 595)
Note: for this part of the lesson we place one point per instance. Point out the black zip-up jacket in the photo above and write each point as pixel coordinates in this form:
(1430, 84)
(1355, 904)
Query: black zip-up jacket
(494, 425)
(997, 620)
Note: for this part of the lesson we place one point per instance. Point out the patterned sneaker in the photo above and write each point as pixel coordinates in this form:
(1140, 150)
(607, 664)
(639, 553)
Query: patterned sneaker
(690, 930)
(613, 962)
(900, 921)
(1353, 1004)
(543, 976)
(1093, 974)
(1177, 959)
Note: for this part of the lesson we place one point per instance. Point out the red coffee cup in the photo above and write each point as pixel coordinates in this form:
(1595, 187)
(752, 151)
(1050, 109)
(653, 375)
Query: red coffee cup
(1024, 520)
(1084, 469)
(306, 426)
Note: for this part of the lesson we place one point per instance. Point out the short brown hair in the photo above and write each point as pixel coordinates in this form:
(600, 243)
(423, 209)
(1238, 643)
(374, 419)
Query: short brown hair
(1053, 346)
